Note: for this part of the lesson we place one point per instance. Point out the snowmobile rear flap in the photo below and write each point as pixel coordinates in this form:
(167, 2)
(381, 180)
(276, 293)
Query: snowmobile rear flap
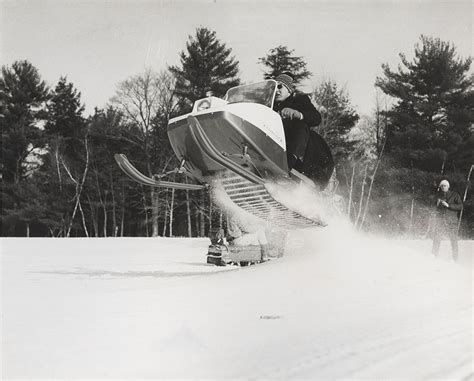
(318, 163)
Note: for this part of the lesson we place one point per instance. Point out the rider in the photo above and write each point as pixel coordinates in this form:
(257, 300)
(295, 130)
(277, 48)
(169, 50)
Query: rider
(298, 115)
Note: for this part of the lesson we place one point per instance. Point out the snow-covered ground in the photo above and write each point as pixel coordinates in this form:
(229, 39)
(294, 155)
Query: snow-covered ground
(337, 306)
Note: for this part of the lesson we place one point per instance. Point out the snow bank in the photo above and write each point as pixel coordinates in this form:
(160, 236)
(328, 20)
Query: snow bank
(338, 305)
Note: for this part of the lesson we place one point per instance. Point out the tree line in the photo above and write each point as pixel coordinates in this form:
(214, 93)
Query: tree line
(59, 177)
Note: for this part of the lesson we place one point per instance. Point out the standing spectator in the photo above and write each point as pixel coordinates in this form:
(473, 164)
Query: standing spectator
(448, 205)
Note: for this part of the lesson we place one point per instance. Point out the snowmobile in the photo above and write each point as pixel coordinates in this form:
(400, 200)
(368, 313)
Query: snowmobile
(237, 144)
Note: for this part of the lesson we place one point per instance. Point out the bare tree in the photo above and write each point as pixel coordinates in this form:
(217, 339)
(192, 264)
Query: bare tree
(362, 192)
(79, 187)
(144, 98)
(188, 213)
(372, 178)
(380, 119)
(350, 192)
(171, 212)
(465, 196)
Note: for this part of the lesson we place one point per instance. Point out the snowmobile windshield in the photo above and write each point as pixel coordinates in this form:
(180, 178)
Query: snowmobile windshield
(261, 92)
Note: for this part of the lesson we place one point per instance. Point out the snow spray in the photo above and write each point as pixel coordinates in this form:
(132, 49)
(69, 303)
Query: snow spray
(339, 240)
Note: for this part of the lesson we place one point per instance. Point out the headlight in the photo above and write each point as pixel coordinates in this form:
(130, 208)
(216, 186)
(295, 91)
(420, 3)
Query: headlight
(207, 103)
(204, 104)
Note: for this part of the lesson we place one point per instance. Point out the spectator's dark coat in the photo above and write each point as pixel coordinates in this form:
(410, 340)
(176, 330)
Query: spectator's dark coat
(446, 219)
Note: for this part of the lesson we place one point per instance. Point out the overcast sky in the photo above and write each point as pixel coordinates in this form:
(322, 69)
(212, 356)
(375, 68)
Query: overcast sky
(100, 43)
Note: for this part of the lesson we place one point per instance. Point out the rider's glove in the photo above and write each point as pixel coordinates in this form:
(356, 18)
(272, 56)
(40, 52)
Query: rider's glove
(289, 113)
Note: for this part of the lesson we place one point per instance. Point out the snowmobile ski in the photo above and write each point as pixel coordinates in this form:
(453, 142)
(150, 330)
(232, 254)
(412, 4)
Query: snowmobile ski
(140, 178)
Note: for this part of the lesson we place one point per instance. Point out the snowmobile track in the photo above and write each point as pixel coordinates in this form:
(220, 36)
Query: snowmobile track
(255, 199)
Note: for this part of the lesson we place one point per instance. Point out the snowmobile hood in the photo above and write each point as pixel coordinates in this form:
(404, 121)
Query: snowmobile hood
(262, 117)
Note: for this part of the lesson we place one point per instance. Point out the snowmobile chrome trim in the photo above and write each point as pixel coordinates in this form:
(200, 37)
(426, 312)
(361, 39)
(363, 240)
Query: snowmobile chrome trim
(140, 178)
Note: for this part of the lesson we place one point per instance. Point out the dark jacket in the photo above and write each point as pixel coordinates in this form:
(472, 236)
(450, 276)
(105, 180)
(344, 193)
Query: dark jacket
(447, 217)
(301, 103)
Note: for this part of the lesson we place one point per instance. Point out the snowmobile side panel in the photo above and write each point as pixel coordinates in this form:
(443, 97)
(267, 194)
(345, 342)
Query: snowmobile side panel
(208, 148)
(233, 137)
(268, 121)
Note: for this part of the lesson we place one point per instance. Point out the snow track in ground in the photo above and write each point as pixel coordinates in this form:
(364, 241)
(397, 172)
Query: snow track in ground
(337, 306)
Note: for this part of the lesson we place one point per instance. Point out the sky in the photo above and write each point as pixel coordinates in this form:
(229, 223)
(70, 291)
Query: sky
(98, 43)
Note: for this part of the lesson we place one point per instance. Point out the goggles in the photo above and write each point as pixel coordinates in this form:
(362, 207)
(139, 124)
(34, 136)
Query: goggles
(281, 85)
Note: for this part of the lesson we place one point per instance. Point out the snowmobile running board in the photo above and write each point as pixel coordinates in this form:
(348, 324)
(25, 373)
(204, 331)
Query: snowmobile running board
(140, 178)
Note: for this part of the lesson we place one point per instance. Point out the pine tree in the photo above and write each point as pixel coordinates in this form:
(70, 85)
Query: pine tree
(68, 157)
(206, 65)
(338, 117)
(281, 60)
(35, 208)
(65, 121)
(431, 123)
(23, 97)
(22, 102)
(111, 198)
